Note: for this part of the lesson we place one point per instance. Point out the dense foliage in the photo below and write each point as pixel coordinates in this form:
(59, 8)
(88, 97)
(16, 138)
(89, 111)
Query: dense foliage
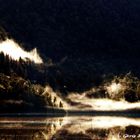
(20, 95)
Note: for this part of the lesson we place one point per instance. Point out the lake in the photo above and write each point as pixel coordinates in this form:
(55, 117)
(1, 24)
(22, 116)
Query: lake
(70, 128)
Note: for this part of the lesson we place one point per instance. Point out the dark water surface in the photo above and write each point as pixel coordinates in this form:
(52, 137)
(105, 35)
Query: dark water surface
(70, 128)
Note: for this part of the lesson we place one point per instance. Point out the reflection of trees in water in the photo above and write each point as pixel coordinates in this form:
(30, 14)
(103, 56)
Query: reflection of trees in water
(32, 132)
(116, 133)
(20, 134)
(98, 128)
(71, 129)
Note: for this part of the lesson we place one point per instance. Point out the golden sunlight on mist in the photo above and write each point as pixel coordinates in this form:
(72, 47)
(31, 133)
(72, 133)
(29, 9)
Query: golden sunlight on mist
(114, 88)
(11, 48)
(101, 104)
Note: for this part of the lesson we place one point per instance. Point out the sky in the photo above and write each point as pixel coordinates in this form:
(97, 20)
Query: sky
(73, 28)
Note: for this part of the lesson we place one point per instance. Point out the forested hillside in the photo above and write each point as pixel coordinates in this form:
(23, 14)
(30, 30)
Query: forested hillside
(23, 85)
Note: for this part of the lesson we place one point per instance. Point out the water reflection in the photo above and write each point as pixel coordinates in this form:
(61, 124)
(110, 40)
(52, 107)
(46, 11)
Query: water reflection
(70, 128)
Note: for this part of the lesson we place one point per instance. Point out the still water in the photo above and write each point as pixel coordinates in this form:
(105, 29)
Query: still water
(70, 128)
